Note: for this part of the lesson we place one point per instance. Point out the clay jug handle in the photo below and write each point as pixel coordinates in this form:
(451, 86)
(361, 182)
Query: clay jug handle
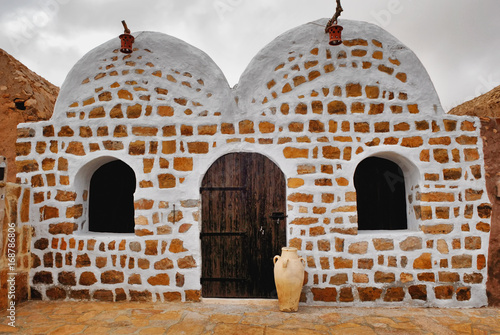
(285, 263)
(303, 261)
(275, 259)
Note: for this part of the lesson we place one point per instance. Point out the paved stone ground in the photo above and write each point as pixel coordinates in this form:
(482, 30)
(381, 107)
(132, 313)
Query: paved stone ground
(40, 317)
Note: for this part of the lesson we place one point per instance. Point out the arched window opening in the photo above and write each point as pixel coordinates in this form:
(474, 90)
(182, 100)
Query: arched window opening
(380, 192)
(111, 199)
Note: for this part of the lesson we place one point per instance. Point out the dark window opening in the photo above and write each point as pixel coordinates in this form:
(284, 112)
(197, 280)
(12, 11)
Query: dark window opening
(20, 104)
(2, 173)
(111, 199)
(381, 195)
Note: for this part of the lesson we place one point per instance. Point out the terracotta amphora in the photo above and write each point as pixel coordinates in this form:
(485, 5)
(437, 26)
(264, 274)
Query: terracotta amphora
(289, 278)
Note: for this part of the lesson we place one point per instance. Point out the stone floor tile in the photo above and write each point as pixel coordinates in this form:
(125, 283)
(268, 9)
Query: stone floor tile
(225, 318)
(301, 331)
(352, 329)
(186, 328)
(169, 315)
(238, 329)
(152, 331)
(67, 330)
(8, 329)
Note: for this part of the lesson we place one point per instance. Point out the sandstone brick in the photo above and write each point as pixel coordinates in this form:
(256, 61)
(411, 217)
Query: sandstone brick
(151, 247)
(376, 109)
(382, 244)
(353, 90)
(358, 248)
(87, 278)
(186, 262)
(304, 221)
(372, 92)
(55, 293)
(362, 127)
(483, 226)
(67, 278)
(360, 278)
(443, 292)
(463, 294)
(295, 182)
(290, 152)
(365, 263)
(198, 147)
(331, 152)
(342, 263)
(112, 277)
(316, 126)
(461, 261)
(323, 245)
(345, 294)
(437, 229)
(472, 242)
(473, 278)
(339, 279)
(134, 111)
(423, 262)
(394, 294)
(43, 277)
(369, 293)
(385, 69)
(448, 277)
(412, 142)
(384, 277)
(411, 243)
(62, 228)
(317, 107)
(82, 261)
(337, 107)
(481, 262)
(183, 163)
(328, 294)
(75, 148)
(402, 126)
(160, 279)
(357, 107)
(163, 264)
(484, 210)
(418, 292)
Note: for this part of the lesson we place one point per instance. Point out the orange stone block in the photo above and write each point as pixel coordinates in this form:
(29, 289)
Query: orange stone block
(165, 111)
(290, 152)
(166, 180)
(126, 95)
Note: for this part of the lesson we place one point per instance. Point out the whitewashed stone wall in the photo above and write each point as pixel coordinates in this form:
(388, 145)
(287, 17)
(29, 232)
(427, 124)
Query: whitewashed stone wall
(317, 111)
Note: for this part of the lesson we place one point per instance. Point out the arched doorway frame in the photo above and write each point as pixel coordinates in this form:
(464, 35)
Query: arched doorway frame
(203, 215)
(81, 183)
(412, 177)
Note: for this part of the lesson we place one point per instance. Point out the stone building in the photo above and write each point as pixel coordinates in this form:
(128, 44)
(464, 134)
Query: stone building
(24, 97)
(487, 108)
(154, 180)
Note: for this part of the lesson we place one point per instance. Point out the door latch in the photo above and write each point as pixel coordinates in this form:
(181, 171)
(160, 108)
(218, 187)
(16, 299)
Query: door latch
(278, 216)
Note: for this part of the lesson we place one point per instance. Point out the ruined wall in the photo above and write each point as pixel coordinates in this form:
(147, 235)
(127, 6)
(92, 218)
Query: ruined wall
(24, 97)
(489, 132)
(15, 242)
(317, 111)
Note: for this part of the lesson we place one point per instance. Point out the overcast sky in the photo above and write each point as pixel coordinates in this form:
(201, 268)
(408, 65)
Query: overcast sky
(458, 41)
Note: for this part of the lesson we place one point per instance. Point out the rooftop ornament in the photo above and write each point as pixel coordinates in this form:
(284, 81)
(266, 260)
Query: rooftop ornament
(127, 40)
(333, 28)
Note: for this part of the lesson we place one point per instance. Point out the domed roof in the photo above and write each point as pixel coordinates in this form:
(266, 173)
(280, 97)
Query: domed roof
(301, 61)
(161, 70)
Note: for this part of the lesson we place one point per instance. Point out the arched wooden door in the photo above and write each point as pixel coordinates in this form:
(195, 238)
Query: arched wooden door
(243, 226)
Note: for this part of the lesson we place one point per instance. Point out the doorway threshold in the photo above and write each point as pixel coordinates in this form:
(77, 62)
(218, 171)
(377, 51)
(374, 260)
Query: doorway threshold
(240, 301)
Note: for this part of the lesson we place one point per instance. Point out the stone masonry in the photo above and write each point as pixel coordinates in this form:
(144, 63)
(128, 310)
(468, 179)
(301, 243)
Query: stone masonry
(167, 111)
